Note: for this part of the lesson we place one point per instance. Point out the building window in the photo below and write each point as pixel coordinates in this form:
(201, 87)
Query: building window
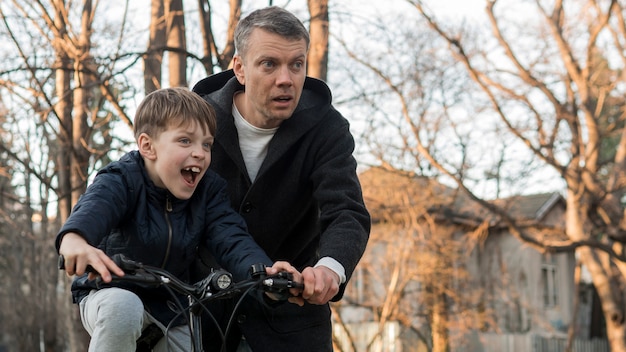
(549, 281)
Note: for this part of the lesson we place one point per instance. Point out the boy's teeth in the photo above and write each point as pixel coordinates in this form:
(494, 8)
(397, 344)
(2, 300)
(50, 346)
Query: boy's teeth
(192, 169)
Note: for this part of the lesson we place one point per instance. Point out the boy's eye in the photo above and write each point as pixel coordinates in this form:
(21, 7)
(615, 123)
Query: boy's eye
(207, 146)
(185, 141)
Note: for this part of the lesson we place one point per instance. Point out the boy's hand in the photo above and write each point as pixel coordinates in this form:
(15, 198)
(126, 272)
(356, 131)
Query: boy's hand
(297, 277)
(77, 254)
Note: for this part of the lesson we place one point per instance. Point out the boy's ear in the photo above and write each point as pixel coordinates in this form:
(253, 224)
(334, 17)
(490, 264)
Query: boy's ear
(146, 148)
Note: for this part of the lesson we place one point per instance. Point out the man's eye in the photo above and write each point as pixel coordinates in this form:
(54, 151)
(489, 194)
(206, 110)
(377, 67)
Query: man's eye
(267, 64)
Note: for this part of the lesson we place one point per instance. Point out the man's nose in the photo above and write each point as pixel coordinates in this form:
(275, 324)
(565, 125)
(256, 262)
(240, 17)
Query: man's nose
(284, 76)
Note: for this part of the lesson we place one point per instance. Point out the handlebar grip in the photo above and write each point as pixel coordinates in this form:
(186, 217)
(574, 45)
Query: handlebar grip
(281, 282)
(61, 265)
(128, 265)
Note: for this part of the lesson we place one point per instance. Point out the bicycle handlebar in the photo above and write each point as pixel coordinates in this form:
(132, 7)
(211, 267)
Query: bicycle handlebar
(218, 281)
(218, 284)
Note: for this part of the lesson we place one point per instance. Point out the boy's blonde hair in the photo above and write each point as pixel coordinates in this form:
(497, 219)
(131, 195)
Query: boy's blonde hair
(173, 107)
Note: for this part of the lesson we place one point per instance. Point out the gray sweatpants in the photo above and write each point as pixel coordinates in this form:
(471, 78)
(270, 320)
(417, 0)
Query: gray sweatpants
(115, 318)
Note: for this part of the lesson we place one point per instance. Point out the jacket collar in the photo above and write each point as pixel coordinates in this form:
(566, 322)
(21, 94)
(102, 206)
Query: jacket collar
(134, 163)
(312, 108)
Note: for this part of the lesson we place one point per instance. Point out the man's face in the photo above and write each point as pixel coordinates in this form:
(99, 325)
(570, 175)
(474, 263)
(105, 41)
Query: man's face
(273, 72)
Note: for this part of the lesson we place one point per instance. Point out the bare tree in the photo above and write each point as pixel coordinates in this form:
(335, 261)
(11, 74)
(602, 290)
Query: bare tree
(415, 270)
(63, 99)
(215, 57)
(549, 83)
(18, 256)
(570, 132)
(211, 54)
(167, 35)
(67, 83)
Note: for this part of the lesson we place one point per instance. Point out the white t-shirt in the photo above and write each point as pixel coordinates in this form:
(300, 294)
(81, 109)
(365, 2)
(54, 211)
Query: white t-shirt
(253, 142)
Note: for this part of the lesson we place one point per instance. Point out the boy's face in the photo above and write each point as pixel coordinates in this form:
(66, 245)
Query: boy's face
(273, 71)
(177, 158)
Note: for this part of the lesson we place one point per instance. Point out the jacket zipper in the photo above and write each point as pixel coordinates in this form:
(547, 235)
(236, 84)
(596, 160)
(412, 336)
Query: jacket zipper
(168, 209)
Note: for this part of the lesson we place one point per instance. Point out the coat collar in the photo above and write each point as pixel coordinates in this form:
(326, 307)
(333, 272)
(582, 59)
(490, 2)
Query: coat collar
(312, 108)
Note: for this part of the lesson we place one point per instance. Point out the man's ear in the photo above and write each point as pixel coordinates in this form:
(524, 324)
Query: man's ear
(238, 69)
(146, 148)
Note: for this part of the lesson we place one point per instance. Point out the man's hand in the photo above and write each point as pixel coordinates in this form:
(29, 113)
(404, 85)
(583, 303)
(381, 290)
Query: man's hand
(297, 277)
(77, 254)
(321, 284)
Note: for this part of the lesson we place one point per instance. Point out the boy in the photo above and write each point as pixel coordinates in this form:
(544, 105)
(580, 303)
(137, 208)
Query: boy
(156, 206)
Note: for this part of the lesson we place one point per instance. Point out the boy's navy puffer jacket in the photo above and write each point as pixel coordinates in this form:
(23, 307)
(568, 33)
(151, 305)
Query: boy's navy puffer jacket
(124, 212)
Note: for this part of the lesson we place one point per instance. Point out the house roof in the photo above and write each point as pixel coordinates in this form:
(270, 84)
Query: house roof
(390, 194)
(530, 207)
(387, 191)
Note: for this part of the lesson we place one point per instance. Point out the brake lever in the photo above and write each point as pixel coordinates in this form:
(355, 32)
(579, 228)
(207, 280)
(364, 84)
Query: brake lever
(128, 265)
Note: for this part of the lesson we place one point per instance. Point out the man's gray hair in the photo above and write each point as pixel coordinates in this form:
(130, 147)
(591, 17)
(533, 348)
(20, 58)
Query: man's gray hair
(273, 19)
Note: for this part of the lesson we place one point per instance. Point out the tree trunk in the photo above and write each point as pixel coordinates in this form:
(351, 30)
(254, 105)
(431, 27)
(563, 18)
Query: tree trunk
(226, 56)
(77, 337)
(47, 275)
(208, 41)
(176, 42)
(609, 291)
(317, 61)
(63, 111)
(70, 135)
(439, 326)
(82, 97)
(154, 56)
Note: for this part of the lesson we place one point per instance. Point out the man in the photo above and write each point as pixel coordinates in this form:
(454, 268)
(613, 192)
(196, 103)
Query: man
(286, 154)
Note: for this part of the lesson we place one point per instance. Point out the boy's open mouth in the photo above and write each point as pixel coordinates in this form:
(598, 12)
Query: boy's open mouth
(190, 174)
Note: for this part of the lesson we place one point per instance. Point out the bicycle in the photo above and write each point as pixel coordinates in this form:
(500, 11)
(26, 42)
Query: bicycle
(217, 285)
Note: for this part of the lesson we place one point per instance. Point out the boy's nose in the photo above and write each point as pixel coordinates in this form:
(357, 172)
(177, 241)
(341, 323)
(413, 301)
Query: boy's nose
(197, 152)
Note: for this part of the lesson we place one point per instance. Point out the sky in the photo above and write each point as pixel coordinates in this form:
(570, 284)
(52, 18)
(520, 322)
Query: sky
(340, 10)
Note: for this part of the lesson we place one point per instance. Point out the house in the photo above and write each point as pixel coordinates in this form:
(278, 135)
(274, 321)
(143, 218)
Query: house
(440, 270)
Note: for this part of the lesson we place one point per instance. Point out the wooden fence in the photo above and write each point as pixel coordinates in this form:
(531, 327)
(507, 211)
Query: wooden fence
(535, 343)
(369, 337)
(543, 344)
